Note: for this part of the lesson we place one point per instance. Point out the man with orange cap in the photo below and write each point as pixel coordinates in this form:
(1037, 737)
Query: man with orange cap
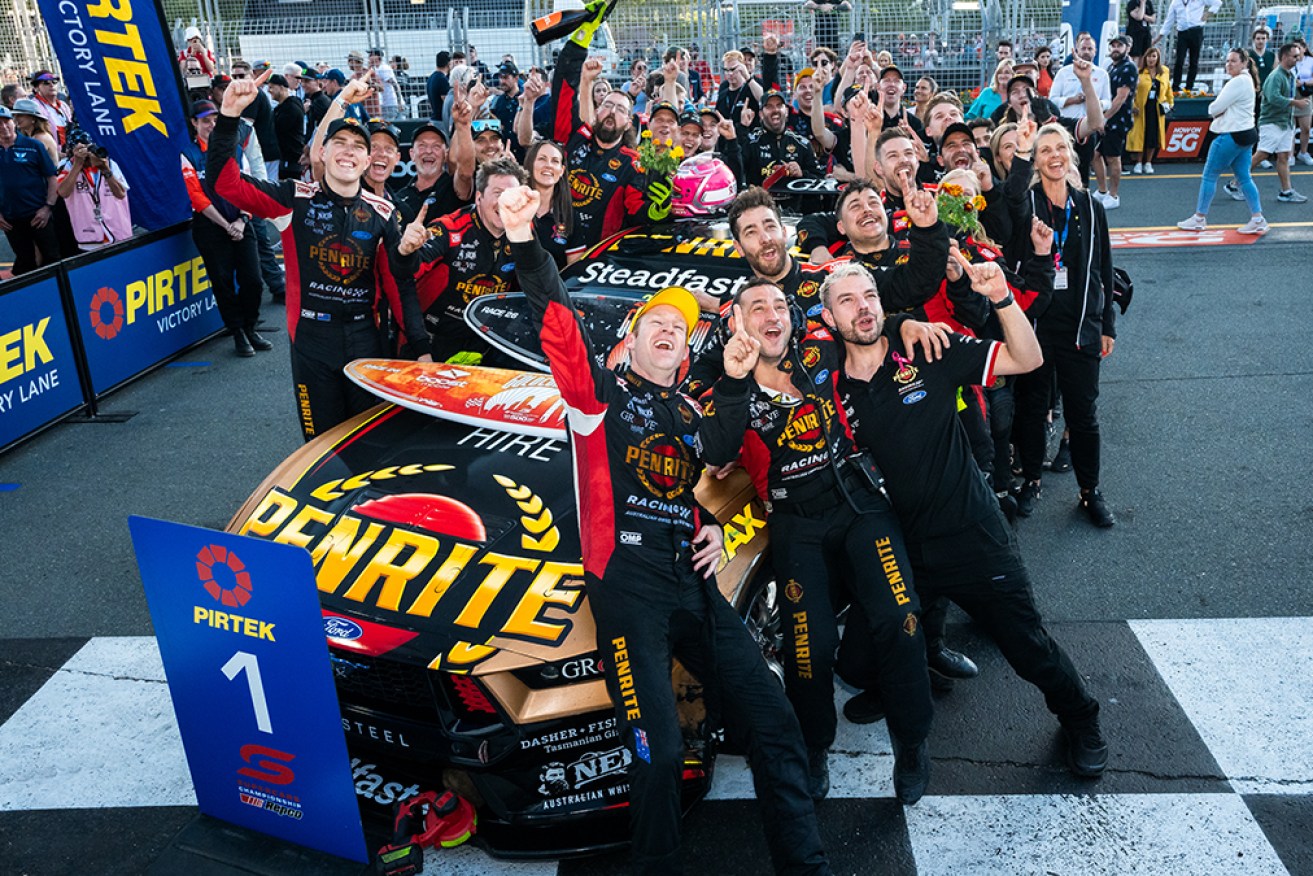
(649, 554)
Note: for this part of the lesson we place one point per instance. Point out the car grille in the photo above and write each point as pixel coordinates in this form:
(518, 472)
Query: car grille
(402, 688)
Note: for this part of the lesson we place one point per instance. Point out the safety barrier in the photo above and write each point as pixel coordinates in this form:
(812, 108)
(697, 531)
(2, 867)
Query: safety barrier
(74, 332)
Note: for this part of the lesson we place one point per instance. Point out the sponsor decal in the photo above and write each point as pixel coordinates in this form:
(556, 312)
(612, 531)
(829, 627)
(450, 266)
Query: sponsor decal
(574, 737)
(823, 376)
(803, 432)
(741, 530)
(372, 786)
(815, 310)
(362, 235)
(614, 164)
(609, 177)
(340, 258)
(892, 573)
(909, 624)
(914, 397)
(336, 627)
(106, 313)
(662, 465)
(584, 188)
(482, 284)
(601, 273)
(793, 591)
(633, 538)
(905, 373)
(556, 778)
(372, 731)
(625, 678)
(224, 578)
(802, 649)
(811, 356)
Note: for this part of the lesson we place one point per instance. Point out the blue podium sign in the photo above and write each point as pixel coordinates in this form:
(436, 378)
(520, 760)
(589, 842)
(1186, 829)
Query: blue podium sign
(141, 305)
(242, 638)
(38, 374)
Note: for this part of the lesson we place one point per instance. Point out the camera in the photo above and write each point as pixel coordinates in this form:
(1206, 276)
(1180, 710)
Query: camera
(1305, 89)
(79, 137)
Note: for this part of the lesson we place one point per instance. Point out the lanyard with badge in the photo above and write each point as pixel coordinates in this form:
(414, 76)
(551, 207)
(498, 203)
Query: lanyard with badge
(1059, 269)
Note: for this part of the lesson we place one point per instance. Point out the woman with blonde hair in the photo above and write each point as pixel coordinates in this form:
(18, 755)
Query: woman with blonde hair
(1153, 101)
(994, 95)
(29, 122)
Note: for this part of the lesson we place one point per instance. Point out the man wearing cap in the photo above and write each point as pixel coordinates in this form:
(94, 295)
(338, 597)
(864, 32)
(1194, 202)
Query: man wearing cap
(261, 116)
(194, 47)
(1123, 79)
(45, 91)
(609, 187)
(390, 99)
(444, 173)
(663, 122)
(649, 554)
(773, 146)
(1022, 98)
(489, 138)
(506, 102)
(316, 101)
(690, 133)
(27, 197)
(289, 125)
(344, 268)
(891, 87)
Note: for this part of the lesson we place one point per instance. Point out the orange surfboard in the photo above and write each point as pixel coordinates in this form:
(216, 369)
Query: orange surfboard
(523, 402)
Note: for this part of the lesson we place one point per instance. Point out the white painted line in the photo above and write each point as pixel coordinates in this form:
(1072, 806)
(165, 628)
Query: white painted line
(1117, 835)
(1247, 686)
(101, 732)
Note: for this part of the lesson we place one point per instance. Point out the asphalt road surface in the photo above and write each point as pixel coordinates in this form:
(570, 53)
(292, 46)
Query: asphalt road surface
(1192, 618)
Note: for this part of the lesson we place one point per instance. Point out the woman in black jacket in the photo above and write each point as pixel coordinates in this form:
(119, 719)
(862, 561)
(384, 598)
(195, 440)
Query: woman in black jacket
(1076, 331)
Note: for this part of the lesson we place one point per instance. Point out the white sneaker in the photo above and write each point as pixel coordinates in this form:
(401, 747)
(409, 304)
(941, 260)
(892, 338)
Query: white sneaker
(1194, 223)
(1148, 168)
(1290, 196)
(1256, 225)
(1111, 202)
(1265, 164)
(1234, 191)
(1138, 168)
(1290, 160)
(1304, 158)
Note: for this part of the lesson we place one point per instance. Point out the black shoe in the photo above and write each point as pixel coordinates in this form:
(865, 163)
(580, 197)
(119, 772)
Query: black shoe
(911, 771)
(941, 683)
(1087, 751)
(256, 341)
(1095, 508)
(1027, 496)
(951, 663)
(1007, 503)
(1061, 463)
(278, 297)
(818, 773)
(242, 345)
(865, 708)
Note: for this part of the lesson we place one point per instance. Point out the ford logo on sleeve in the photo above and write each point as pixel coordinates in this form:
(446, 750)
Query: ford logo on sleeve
(914, 397)
(341, 628)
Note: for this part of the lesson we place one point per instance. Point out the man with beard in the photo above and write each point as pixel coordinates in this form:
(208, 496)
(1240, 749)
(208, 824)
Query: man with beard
(344, 267)
(1068, 93)
(829, 521)
(463, 255)
(506, 102)
(738, 91)
(773, 146)
(959, 543)
(609, 188)
(648, 565)
(489, 139)
(1123, 79)
(444, 178)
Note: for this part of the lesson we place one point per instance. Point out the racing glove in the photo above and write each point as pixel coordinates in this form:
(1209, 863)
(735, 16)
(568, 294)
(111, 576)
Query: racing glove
(659, 198)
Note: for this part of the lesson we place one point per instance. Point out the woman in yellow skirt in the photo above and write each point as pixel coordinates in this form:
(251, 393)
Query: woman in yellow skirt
(1153, 101)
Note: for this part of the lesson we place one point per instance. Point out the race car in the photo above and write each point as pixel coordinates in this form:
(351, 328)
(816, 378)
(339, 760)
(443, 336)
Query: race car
(444, 536)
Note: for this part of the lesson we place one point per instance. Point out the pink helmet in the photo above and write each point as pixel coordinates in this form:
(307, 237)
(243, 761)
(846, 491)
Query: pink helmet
(703, 185)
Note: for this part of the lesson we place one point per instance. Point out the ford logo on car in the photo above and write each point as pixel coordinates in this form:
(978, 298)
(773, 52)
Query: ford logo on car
(341, 628)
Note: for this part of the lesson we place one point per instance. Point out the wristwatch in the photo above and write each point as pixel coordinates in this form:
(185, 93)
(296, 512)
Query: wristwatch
(1005, 302)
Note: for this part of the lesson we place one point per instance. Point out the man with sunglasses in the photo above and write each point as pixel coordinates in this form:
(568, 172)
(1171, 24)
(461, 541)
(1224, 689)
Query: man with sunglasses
(609, 188)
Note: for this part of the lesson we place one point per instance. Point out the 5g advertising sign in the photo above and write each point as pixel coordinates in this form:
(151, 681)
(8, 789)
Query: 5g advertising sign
(242, 639)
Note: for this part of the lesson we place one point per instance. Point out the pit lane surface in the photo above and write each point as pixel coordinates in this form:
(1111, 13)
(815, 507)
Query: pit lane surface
(1191, 617)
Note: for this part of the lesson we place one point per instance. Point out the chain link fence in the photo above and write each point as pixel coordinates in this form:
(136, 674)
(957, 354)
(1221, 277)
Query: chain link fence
(950, 40)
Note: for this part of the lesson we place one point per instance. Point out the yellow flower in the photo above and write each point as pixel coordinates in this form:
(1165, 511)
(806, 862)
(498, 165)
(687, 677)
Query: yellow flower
(647, 135)
(953, 190)
(978, 202)
(678, 152)
(670, 143)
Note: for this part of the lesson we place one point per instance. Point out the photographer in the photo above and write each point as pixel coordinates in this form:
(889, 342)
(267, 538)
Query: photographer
(95, 193)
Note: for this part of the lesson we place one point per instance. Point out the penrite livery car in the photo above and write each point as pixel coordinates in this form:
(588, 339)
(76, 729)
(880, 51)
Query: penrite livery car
(446, 550)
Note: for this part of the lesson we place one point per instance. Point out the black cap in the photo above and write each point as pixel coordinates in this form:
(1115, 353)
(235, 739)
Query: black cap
(482, 126)
(378, 126)
(662, 105)
(1020, 77)
(958, 128)
(1121, 38)
(223, 81)
(508, 69)
(850, 92)
(348, 123)
(774, 92)
(431, 127)
(690, 118)
(278, 79)
(202, 108)
(892, 68)
(310, 73)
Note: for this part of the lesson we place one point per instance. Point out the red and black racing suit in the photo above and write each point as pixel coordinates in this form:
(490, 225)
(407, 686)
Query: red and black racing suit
(609, 188)
(832, 530)
(342, 260)
(637, 458)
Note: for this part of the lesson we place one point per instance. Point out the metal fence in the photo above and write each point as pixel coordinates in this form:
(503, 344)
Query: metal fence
(950, 40)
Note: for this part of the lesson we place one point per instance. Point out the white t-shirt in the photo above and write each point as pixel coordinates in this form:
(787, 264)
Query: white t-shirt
(1065, 85)
(385, 75)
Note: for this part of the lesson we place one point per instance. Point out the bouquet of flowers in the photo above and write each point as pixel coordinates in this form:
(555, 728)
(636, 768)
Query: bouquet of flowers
(659, 157)
(960, 210)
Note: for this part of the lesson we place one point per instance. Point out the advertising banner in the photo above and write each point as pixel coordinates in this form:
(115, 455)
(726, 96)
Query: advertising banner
(121, 75)
(1184, 139)
(141, 304)
(1089, 16)
(242, 639)
(38, 375)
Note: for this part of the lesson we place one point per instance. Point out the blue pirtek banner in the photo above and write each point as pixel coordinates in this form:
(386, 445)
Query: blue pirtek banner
(141, 305)
(38, 376)
(1089, 16)
(121, 75)
(242, 639)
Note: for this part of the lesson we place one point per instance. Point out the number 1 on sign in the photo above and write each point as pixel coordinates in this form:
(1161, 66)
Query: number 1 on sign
(247, 662)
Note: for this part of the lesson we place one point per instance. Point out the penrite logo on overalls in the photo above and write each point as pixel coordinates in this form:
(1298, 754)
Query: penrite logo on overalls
(803, 432)
(662, 465)
(483, 284)
(584, 188)
(341, 258)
